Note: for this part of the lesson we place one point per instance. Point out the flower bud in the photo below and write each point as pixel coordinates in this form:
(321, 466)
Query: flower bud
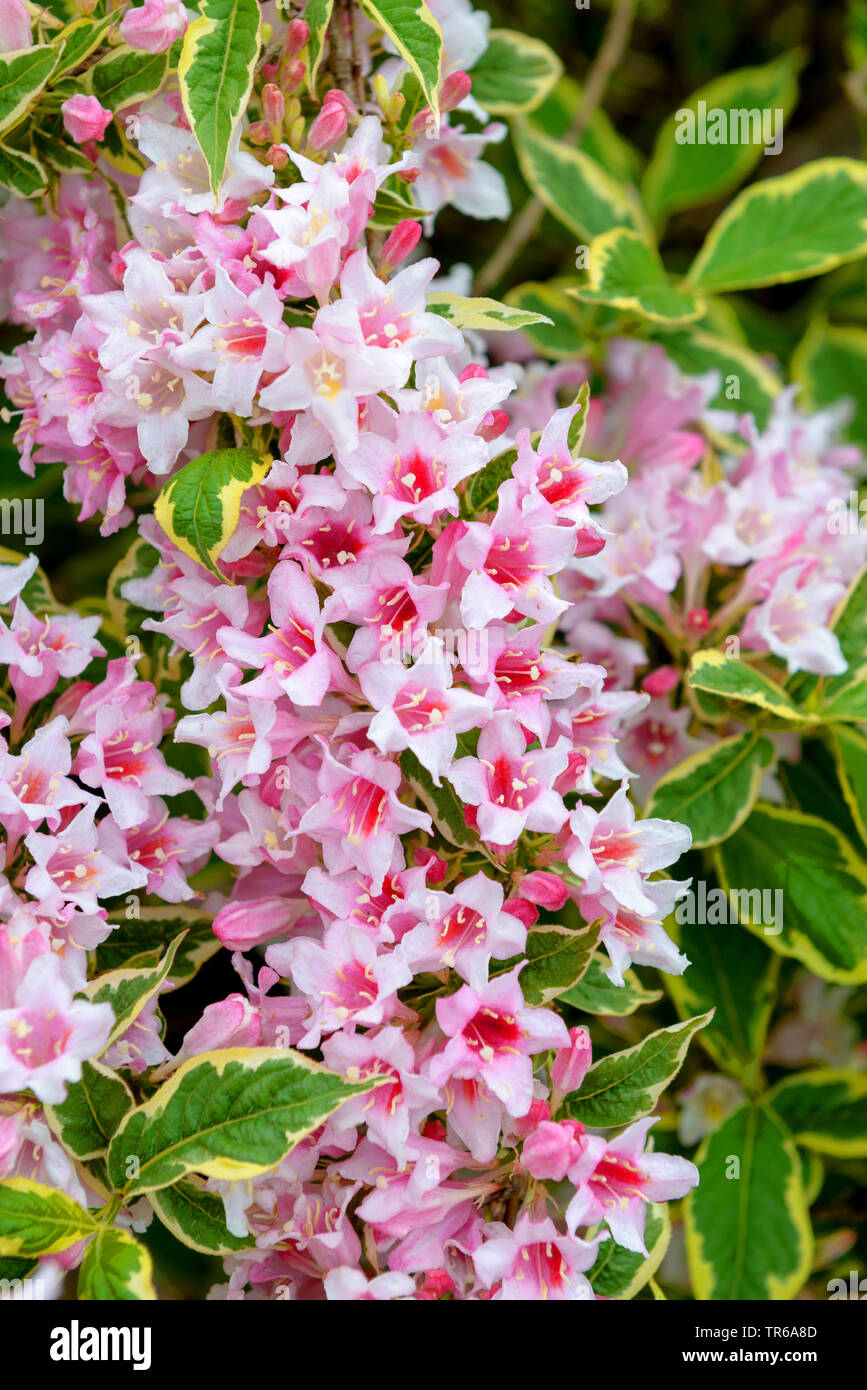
(334, 97)
(524, 911)
(454, 90)
(660, 681)
(277, 157)
(400, 244)
(297, 34)
(571, 1063)
(231, 1022)
(434, 866)
(407, 175)
(240, 925)
(293, 75)
(551, 1149)
(84, 118)
(328, 127)
(539, 1112)
(545, 889)
(495, 423)
(274, 105)
(259, 133)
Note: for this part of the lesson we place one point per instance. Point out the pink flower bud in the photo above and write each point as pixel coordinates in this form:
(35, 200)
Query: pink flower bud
(539, 1112)
(474, 371)
(231, 1022)
(297, 34)
(14, 26)
(277, 157)
(697, 621)
(660, 681)
(548, 890)
(294, 74)
(259, 133)
(270, 71)
(524, 911)
(154, 26)
(400, 244)
(240, 925)
(454, 90)
(329, 126)
(551, 1150)
(436, 1283)
(435, 867)
(84, 118)
(338, 98)
(274, 104)
(571, 1063)
(495, 423)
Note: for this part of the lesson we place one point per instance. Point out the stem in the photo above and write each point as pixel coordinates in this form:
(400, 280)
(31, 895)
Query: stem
(526, 224)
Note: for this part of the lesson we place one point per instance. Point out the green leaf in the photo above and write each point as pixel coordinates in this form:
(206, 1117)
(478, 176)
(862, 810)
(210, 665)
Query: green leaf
(601, 141)
(747, 1224)
(626, 1085)
(845, 696)
(823, 882)
(79, 39)
(798, 224)
(850, 755)
(480, 493)
(830, 363)
(595, 993)
(38, 1220)
(626, 273)
(442, 803)
(199, 507)
(563, 336)
(719, 674)
(733, 973)
(557, 957)
(143, 940)
(620, 1273)
(826, 1110)
(417, 37)
(128, 990)
(127, 76)
(811, 784)
(22, 77)
(197, 1218)
(92, 1111)
(714, 791)
(22, 173)
(515, 73)
(481, 315)
(574, 188)
(317, 13)
(747, 383)
(688, 174)
(115, 1267)
(229, 1114)
(392, 207)
(216, 76)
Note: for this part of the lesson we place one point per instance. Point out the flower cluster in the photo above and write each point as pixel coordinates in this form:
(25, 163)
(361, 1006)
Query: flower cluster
(392, 817)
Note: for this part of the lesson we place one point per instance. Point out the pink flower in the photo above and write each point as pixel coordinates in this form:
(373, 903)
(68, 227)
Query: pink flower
(392, 1110)
(463, 930)
(14, 26)
(155, 25)
(534, 1262)
(492, 1036)
(420, 708)
(616, 1180)
(84, 118)
(122, 758)
(46, 1036)
(511, 788)
(571, 1063)
(610, 850)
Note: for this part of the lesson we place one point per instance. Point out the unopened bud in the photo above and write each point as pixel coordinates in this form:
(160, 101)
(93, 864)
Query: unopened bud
(697, 620)
(544, 889)
(277, 157)
(434, 866)
(292, 77)
(259, 133)
(400, 244)
(274, 105)
(391, 104)
(660, 681)
(336, 97)
(297, 34)
(454, 90)
(407, 175)
(329, 127)
(572, 1063)
(495, 423)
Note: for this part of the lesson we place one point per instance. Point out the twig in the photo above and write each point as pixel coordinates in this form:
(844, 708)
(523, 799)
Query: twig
(526, 224)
